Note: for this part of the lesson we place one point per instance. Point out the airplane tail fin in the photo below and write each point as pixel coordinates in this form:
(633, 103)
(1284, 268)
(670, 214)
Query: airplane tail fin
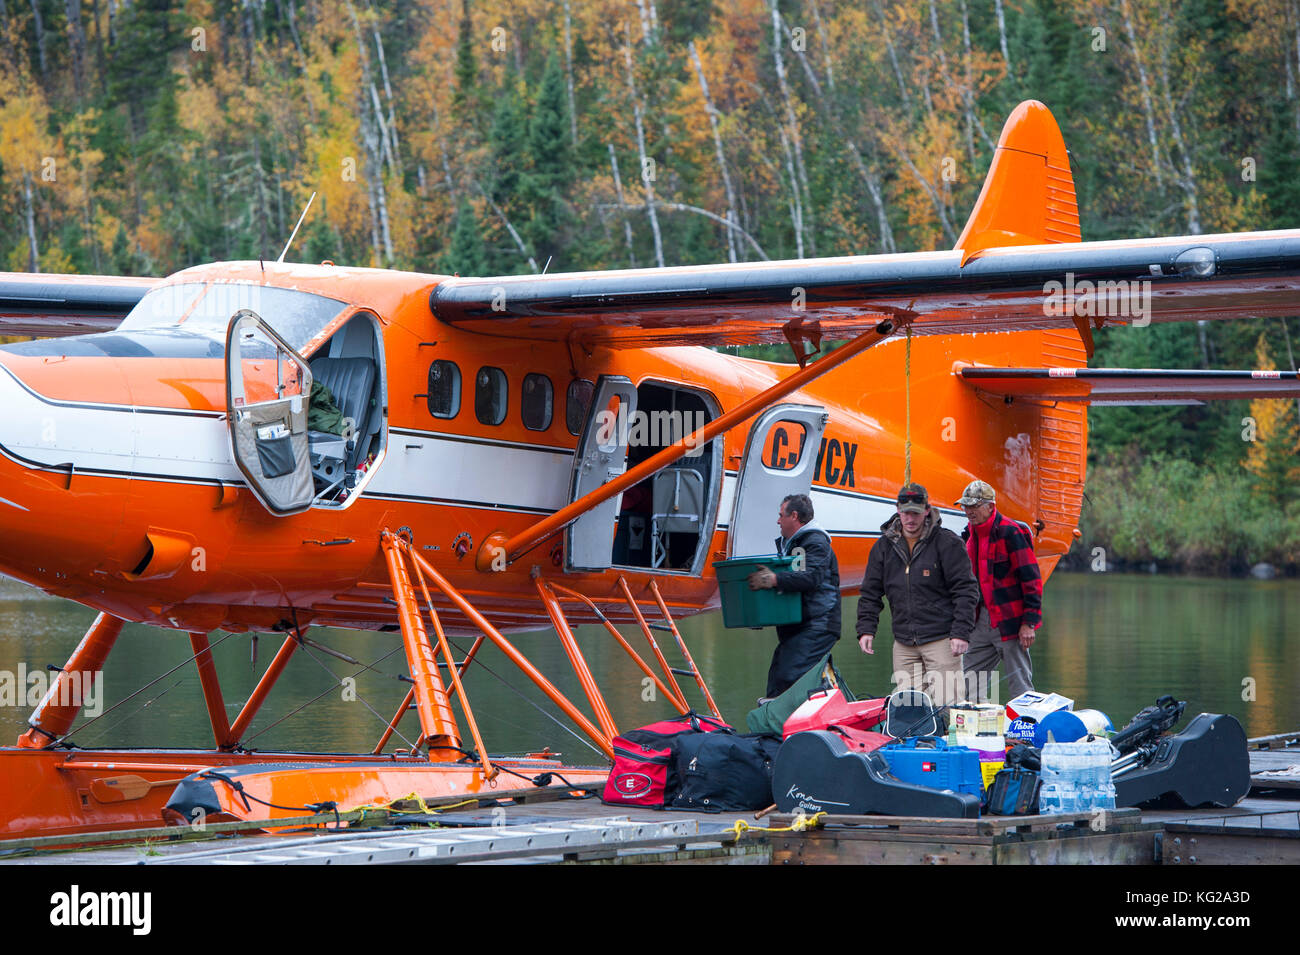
(1028, 196)
(1038, 449)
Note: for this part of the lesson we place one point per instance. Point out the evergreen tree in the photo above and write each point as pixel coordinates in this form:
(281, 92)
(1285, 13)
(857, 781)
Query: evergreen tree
(507, 143)
(465, 100)
(545, 185)
(467, 255)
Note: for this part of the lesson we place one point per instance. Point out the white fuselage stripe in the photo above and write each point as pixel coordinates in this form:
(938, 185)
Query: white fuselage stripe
(420, 466)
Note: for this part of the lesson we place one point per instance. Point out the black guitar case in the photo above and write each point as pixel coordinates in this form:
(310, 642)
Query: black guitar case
(817, 772)
(1206, 765)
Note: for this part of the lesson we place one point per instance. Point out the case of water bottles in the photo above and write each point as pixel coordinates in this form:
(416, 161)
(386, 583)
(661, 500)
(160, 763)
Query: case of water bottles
(1076, 777)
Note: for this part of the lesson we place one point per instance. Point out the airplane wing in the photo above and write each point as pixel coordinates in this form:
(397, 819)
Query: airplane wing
(50, 306)
(1125, 386)
(1081, 284)
(1019, 264)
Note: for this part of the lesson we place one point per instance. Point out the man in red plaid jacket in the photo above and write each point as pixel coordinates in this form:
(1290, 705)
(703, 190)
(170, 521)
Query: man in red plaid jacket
(1011, 596)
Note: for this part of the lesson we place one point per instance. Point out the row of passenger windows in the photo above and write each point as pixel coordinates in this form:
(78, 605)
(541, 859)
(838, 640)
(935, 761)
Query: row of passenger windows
(492, 397)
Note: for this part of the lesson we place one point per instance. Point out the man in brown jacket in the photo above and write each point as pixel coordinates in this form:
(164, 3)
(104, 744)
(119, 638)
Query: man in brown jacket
(923, 569)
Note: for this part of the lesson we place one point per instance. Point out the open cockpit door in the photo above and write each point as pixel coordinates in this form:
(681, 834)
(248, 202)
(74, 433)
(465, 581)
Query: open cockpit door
(268, 386)
(601, 457)
(780, 456)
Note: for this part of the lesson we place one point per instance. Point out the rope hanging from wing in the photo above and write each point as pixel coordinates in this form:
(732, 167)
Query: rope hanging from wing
(907, 403)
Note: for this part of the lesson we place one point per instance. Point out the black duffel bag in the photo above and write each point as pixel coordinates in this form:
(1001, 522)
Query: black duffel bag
(724, 772)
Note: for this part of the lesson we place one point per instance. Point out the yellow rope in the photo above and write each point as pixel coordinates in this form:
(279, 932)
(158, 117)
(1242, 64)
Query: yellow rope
(799, 825)
(419, 800)
(907, 401)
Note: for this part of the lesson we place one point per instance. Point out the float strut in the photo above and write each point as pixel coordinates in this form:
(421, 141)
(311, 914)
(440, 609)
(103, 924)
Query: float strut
(53, 716)
(260, 691)
(211, 688)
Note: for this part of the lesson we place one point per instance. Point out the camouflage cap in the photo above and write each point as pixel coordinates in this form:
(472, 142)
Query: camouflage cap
(913, 498)
(977, 492)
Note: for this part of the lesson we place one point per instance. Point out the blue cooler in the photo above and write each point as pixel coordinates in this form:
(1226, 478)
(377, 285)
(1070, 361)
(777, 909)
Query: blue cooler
(929, 761)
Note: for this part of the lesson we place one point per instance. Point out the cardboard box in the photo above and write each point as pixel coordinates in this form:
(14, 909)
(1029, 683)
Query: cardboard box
(1034, 705)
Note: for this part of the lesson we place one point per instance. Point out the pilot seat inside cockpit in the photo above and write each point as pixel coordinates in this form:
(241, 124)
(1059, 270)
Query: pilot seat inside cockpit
(343, 418)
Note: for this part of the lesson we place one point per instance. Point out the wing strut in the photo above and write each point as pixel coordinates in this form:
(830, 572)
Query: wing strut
(498, 551)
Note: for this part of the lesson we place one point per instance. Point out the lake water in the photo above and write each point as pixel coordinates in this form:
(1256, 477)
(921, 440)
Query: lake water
(1110, 642)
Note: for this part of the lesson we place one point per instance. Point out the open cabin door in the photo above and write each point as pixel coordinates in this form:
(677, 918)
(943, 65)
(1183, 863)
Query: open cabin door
(268, 387)
(601, 457)
(780, 456)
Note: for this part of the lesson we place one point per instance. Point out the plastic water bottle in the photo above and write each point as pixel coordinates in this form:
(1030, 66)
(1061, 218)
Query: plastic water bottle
(1060, 792)
(1096, 755)
(1076, 777)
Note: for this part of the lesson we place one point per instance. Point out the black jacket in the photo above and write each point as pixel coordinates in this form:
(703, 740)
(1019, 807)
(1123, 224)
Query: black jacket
(932, 592)
(818, 583)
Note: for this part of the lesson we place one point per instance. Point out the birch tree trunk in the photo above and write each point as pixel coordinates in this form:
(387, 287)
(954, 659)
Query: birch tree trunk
(618, 191)
(828, 109)
(826, 44)
(1188, 178)
(33, 253)
(1147, 107)
(1002, 34)
(647, 178)
(800, 181)
(717, 147)
(393, 151)
(968, 87)
(893, 55)
(514, 233)
(796, 205)
(683, 207)
(647, 32)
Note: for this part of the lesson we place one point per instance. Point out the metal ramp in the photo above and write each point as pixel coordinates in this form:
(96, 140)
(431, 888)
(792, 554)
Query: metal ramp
(450, 846)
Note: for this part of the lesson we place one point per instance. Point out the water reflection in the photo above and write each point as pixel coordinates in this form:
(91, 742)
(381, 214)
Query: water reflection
(1113, 643)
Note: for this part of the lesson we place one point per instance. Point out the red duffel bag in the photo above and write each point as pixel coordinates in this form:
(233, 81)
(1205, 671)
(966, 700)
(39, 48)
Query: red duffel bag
(643, 773)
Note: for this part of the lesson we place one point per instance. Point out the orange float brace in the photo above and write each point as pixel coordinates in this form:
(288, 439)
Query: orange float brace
(437, 722)
(211, 687)
(259, 694)
(562, 630)
(469, 658)
(681, 645)
(52, 719)
(490, 771)
(392, 724)
(517, 658)
(622, 641)
(676, 693)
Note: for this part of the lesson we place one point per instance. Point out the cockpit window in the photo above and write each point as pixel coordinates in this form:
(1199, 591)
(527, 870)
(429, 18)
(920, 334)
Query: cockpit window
(205, 309)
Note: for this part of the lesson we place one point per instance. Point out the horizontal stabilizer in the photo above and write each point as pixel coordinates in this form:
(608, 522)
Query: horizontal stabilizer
(1136, 386)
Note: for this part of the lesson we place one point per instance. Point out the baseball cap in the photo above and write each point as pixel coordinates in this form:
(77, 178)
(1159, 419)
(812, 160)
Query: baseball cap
(913, 498)
(977, 492)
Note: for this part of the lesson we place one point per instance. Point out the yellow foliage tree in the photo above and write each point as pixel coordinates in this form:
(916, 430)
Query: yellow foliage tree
(1271, 457)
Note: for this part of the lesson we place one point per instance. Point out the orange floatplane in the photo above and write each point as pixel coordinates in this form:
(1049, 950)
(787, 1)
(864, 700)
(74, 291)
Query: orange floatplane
(505, 454)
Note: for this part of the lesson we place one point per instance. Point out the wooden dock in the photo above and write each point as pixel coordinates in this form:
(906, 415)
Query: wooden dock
(550, 826)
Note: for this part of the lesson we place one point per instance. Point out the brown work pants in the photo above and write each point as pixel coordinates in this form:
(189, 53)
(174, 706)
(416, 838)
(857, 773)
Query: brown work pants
(931, 668)
(987, 651)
